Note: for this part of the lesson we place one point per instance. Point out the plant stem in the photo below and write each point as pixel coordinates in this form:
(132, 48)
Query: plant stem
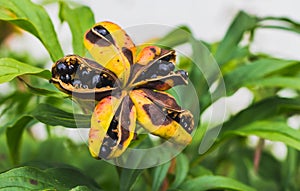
(257, 154)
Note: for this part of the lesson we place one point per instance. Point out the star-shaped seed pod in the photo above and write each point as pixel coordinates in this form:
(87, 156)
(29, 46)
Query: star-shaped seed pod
(128, 87)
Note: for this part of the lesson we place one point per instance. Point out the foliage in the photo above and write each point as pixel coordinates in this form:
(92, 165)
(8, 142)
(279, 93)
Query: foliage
(230, 163)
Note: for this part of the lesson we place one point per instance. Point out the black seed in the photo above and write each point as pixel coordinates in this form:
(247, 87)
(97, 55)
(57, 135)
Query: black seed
(163, 69)
(142, 75)
(153, 50)
(153, 76)
(62, 68)
(71, 69)
(158, 62)
(166, 58)
(96, 81)
(101, 30)
(85, 75)
(177, 118)
(113, 126)
(65, 78)
(104, 148)
(104, 151)
(107, 82)
(183, 73)
(171, 66)
(85, 86)
(111, 142)
(76, 83)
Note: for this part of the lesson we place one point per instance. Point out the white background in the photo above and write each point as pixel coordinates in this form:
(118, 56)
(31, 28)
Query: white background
(208, 21)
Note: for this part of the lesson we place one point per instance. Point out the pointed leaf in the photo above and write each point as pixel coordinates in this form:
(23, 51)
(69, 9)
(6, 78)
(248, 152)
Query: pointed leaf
(13, 137)
(34, 19)
(254, 71)
(80, 19)
(176, 37)
(278, 81)
(10, 68)
(214, 183)
(181, 171)
(241, 24)
(53, 116)
(30, 178)
(262, 110)
(271, 130)
(128, 178)
(160, 173)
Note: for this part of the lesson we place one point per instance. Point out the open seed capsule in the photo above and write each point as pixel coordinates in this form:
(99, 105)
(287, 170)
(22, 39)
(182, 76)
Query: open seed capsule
(157, 70)
(112, 127)
(75, 76)
(159, 113)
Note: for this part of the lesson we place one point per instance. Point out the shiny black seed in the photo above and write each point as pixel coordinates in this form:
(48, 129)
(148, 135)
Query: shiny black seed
(143, 73)
(107, 82)
(113, 126)
(76, 83)
(171, 66)
(101, 30)
(104, 148)
(111, 142)
(177, 119)
(159, 62)
(71, 69)
(183, 73)
(104, 152)
(166, 58)
(153, 76)
(85, 86)
(163, 69)
(62, 68)
(84, 75)
(65, 78)
(153, 50)
(96, 81)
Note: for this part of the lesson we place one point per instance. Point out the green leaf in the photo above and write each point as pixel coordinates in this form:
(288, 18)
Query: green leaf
(176, 37)
(277, 81)
(80, 188)
(10, 68)
(13, 137)
(30, 178)
(214, 182)
(204, 61)
(34, 19)
(271, 130)
(289, 169)
(79, 19)
(53, 116)
(263, 110)
(128, 178)
(254, 71)
(181, 170)
(46, 114)
(160, 173)
(46, 92)
(282, 23)
(241, 24)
